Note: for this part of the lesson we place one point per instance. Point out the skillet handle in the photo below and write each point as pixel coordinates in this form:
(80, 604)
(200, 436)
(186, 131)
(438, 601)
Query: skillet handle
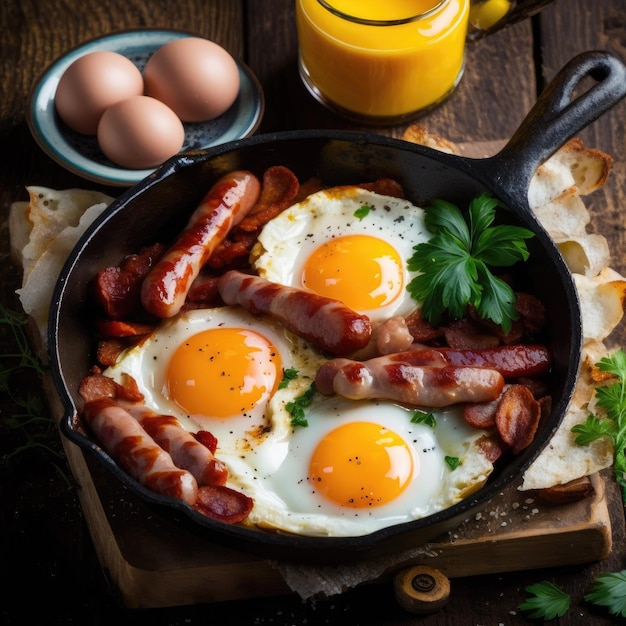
(555, 118)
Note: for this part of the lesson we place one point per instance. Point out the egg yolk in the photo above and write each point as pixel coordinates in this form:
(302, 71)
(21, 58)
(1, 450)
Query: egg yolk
(361, 465)
(363, 272)
(223, 372)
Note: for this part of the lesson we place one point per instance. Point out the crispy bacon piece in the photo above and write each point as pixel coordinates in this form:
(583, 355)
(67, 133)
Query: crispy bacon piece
(422, 330)
(327, 324)
(383, 186)
(468, 334)
(492, 447)
(97, 386)
(517, 417)
(207, 439)
(481, 414)
(165, 288)
(186, 451)
(309, 186)
(223, 504)
(119, 328)
(117, 289)
(203, 291)
(110, 349)
(128, 443)
(278, 191)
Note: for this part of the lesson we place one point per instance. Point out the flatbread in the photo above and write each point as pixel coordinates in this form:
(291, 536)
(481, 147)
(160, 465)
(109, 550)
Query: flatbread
(43, 232)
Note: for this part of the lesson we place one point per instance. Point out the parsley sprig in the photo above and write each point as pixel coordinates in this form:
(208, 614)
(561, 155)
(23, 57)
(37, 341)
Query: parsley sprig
(455, 264)
(296, 407)
(611, 397)
(549, 601)
(609, 590)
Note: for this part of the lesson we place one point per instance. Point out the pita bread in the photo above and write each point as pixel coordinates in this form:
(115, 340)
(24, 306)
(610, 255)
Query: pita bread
(43, 232)
(585, 254)
(49, 212)
(563, 459)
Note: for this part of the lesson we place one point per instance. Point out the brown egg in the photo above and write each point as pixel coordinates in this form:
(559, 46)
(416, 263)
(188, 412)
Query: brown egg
(93, 83)
(140, 133)
(195, 77)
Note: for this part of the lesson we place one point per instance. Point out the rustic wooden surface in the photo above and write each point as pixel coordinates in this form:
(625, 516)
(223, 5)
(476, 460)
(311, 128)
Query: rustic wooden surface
(46, 555)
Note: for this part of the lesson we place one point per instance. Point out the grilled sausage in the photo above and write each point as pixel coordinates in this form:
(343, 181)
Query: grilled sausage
(326, 323)
(186, 451)
(129, 444)
(432, 385)
(165, 288)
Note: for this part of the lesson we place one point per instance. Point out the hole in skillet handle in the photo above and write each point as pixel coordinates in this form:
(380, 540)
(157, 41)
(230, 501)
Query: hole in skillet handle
(555, 118)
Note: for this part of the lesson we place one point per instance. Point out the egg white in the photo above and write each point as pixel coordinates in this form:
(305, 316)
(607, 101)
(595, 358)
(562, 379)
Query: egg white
(286, 241)
(147, 364)
(274, 473)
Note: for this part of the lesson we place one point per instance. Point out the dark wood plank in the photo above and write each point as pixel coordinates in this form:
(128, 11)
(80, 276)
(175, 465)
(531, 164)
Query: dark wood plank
(583, 26)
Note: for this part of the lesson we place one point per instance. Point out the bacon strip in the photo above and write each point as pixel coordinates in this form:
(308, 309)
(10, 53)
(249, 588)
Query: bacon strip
(327, 324)
(186, 451)
(517, 417)
(128, 443)
(279, 189)
(165, 288)
(117, 289)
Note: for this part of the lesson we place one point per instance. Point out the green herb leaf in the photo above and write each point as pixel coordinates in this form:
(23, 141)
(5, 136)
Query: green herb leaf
(454, 265)
(611, 398)
(362, 211)
(288, 375)
(421, 417)
(452, 461)
(609, 590)
(297, 406)
(548, 601)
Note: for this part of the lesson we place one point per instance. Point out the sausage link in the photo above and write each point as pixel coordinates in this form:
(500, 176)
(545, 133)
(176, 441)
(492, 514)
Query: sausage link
(511, 361)
(420, 385)
(326, 323)
(231, 198)
(186, 451)
(129, 444)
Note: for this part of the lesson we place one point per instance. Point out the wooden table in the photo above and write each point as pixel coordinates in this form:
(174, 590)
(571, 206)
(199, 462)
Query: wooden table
(47, 559)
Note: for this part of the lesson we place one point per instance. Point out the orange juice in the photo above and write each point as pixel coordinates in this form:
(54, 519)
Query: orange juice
(381, 60)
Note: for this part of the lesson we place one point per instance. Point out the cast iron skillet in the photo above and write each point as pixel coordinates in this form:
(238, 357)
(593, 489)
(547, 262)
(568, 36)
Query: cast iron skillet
(155, 208)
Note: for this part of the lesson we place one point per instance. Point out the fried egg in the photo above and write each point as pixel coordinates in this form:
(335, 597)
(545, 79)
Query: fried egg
(217, 370)
(359, 467)
(346, 243)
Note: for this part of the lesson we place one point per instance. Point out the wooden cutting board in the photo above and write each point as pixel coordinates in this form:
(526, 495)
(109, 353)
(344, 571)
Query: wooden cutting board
(152, 563)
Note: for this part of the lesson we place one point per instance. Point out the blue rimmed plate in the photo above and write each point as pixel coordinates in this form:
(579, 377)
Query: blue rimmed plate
(80, 153)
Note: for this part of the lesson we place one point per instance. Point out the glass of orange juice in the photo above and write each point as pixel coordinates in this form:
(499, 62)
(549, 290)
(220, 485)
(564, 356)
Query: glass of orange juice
(381, 61)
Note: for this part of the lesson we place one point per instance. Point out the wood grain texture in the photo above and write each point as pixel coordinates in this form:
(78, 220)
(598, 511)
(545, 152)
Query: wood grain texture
(45, 542)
